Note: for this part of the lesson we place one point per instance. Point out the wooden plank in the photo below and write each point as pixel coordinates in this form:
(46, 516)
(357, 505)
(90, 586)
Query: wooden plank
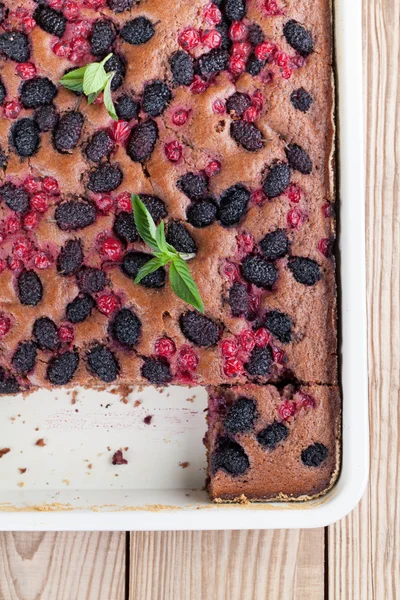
(62, 566)
(227, 565)
(364, 549)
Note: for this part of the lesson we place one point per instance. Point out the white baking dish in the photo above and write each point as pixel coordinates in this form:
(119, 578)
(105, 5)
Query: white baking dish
(70, 482)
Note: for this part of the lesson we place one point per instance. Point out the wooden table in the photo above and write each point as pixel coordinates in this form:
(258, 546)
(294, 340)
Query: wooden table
(356, 559)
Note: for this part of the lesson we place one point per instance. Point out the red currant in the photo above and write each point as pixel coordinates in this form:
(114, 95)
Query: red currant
(265, 50)
(229, 348)
(258, 197)
(12, 109)
(212, 14)
(112, 248)
(287, 409)
(62, 49)
(41, 260)
(233, 367)
(180, 116)
(189, 39)
(25, 70)
(13, 224)
(120, 131)
(212, 168)
(39, 202)
(173, 151)
(262, 337)
(31, 219)
(107, 303)
(237, 64)
(295, 218)
(165, 347)
(211, 39)
(218, 107)
(250, 114)
(66, 334)
(5, 325)
(104, 204)
(22, 248)
(245, 242)
(247, 340)
(188, 359)
(32, 184)
(293, 192)
(198, 86)
(71, 10)
(124, 202)
(238, 31)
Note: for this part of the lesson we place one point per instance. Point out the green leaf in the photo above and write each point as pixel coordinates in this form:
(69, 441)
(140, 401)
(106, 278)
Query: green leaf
(144, 222)
(74, 79)
(183, 284)
(92, 97)
(94, 79)
(107, 98)
(151, 266)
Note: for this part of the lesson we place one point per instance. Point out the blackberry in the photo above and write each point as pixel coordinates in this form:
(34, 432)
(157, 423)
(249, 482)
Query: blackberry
(126, 327)
(277, 180)
(127, 108)
(258, 271)
(155, 206)
(15, 197)
(80, 308)
(138, 31)
(230, 457)
(46, 117)
(102, 363)
(119, 6)
(37, 91)
(3, 159)
(8, 383)
(314, 455)
(299, 38)
(75, 214)
(70, 258)
(117, 64)
(234, 10)
(223, 30)
(24, 358)
(100, 146)
(298, 159)
(91, 280)
(241, 416)
(102, 37)
(254, 65)
(201, 214)
(198, 329)
(305, 270)
(142, 141)
(272, 435)
(279, 325)
(255, 34)
(179, 237)
(156, 371)
(214, 61)
(233, 205)
(124, 227)
(182, 69)
(3, 92)
(156, 97)
(61, 369)
(301, 100)
(30, 288)
(194, 185)
(247, 135)
(68, 131)
(45, 332)
(132, 263)
(260, 362)
(15, 45)
(105, 178)
(25, 137)
(275, 244)
(50, 20)
(237, 104)
(238, 300)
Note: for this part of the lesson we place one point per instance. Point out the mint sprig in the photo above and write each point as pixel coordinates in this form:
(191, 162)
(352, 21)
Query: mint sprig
(181, 280)
(92, 80)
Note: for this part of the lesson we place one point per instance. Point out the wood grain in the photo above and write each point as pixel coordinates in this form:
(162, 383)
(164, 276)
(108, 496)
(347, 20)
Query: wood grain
(364, 549)
(62, 566)
(229, 565)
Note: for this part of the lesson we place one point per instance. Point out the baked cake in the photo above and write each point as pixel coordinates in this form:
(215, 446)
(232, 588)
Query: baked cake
(224, 129)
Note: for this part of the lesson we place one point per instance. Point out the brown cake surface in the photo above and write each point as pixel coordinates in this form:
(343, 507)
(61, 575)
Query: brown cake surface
(225, 131)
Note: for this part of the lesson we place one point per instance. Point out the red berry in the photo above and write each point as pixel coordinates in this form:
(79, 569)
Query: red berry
(212, 168)
(298, 61)
(241, 49)
(229, 348)
(212, 14)
(211, 39)
(80, 46)
(279, 356)
(165, 347)
(245, 242)
(107, 303)
(218, 107)
(293, 192)
(237, 64)
(95, 3)
(56, 4)
(100, 97)
(258, 197)
(238, 31)
(13, 224)
(66, 333)
(233, 367)
(255, 299)
(271, 8)
(39, 202)
(265, 50)
(12, 109)
(189, 39)
(62, 49)
(262, 337)
(3, 265)
(281, 59)
(41, 260)
(286, 72)
(82, 29)
(27, 24)
(188, 359)
(31, 219)
(287, 409)
(120, 131)
(257, 100)
(124, 202)
(112, 248)
(104, 204)
(295, 218)
(32, 184)
(50, 185)
(232, 272)
(14, 264)
(173, 151)
(267, 76)
(325, 246)
(250, 114)
(25, 70)
(328, 210)
(180, 116)
(306, 401)
(198, 86)
(5, 325)
(22, 248)
(71, 10)
(247, 340)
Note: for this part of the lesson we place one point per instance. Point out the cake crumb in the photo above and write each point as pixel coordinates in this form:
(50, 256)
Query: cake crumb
(118, 458)
(66, 481)
(74, 396)
(148, 419)
(191, 399)
(4, 451)
(137, 403)
(21, 484)
(40, 442)
(22, 470)
(184, 465)
(90, 466)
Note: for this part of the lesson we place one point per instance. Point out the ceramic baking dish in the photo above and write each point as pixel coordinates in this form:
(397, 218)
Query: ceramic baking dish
(70, 482)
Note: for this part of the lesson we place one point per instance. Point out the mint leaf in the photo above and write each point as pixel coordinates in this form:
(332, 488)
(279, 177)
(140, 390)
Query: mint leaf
(74, 79)
(94, 79)
(149, 267)
(183, 284)
(144, 222)
(107, 98)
